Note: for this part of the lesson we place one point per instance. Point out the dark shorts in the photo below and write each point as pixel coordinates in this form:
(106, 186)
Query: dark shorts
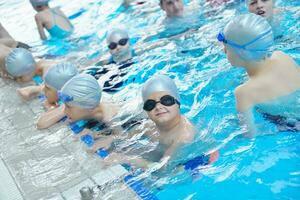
(282, 123)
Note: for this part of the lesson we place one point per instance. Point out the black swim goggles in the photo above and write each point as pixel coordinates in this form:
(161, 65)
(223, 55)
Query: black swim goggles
(121, 42)
(165, 100)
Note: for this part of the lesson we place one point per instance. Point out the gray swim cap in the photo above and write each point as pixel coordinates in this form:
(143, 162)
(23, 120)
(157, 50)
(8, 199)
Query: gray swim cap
(252, 33)
(39, 2)
(59, 74)
(160, 83)
(82, 91)
(19, 62)
(115, 35)
(248, 1)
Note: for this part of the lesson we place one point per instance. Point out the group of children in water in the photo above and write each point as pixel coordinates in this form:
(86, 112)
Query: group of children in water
(248, 41)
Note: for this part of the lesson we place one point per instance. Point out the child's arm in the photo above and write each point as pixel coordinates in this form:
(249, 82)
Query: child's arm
(119, 158)
(40, 27)
(51, 117)
(30, 91)
(103, 142)
(9, 42)
(4, 33)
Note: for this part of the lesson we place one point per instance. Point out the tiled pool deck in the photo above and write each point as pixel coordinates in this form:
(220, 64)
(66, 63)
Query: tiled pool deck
(49, 164)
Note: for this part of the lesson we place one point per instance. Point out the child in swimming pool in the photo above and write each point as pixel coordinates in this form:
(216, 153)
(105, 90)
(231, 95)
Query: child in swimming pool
(170, 129)
(267, 9)
(52, 19)
(81, 96)
(82, 101)
(264, 8)
(274, 83)
(172, 8)
(54, 79)
(120, 50)
(118, 61)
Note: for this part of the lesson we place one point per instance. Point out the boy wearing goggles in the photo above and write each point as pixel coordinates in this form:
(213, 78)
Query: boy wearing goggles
(273, 84)
(170, 130)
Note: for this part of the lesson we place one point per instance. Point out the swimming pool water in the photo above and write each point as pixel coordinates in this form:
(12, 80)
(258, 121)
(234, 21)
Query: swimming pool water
(265, 167)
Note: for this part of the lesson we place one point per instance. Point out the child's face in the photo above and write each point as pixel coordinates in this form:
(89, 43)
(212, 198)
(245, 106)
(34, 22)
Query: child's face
(26, 78)
(172, 7)
(51, 94)
(263, 8)
(75, 113)
(119, 47)
(161, 114)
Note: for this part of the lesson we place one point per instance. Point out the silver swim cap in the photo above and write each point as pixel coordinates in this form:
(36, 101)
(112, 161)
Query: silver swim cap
(248, 1)
(115, 35)
(160, 83)
(250, 36)
(19, 62)
(39, 2)
(81, 91)
(59, 74)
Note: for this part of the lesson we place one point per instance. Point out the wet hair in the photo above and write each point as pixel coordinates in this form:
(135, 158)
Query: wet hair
(252, 33)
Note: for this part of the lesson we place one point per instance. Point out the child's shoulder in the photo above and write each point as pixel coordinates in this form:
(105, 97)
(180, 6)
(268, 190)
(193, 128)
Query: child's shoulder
(41, 14)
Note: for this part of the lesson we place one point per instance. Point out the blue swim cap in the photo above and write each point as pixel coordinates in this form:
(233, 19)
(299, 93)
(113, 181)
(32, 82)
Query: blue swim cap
(250, 36)
(19, 62)
(59, 74)
(160, 83)
(39, 2)
(81, 91)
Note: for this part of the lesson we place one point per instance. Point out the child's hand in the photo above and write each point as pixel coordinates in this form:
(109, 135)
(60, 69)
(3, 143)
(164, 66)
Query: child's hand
(104, 143)
(49, 106)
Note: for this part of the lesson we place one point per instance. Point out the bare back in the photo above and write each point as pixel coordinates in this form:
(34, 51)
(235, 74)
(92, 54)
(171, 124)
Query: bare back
(281, 77)
(54, 16)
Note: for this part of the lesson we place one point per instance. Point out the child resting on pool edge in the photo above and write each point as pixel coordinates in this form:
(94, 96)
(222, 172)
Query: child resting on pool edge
(54, 80)
(169, 128)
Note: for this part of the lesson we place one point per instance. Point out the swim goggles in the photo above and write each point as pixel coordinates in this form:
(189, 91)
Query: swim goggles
(221, 38)
(165, 100)
(121, 42)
